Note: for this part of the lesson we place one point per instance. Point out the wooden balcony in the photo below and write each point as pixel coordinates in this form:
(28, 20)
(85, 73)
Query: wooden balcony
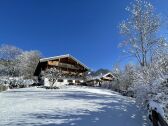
(63, 65)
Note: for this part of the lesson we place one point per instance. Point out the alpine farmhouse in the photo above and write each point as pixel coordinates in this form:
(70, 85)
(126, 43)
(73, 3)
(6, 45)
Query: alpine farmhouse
(73, 70)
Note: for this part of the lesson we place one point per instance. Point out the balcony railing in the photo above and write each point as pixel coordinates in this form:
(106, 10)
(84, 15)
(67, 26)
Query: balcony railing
(68, 66)
(64, 65)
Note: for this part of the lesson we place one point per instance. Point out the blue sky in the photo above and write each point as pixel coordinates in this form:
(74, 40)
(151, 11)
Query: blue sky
(86, 29)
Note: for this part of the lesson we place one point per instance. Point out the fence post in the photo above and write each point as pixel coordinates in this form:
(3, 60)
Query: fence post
(157, 119)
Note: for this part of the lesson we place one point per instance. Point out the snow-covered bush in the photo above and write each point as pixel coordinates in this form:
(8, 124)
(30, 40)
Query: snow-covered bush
(15, 81)
(150, 83)
(123, 79)
(107, 85)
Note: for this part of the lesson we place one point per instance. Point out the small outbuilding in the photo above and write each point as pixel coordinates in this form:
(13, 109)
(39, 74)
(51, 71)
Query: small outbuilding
(98, 80)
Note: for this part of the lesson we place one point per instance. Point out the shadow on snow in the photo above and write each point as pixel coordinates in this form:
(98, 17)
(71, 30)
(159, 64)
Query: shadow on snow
(116, 110)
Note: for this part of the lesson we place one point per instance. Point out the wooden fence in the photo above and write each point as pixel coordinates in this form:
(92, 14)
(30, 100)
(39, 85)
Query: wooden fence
(157, 119)
(161, 121)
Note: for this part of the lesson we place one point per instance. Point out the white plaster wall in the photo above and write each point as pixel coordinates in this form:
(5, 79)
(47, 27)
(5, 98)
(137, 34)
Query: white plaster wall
(46, 82)
(65, 82)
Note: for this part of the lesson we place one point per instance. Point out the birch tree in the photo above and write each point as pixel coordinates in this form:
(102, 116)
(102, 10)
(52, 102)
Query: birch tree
(140, 31)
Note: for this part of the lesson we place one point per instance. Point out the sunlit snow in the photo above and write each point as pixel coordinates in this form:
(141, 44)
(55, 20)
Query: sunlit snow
(77, 106)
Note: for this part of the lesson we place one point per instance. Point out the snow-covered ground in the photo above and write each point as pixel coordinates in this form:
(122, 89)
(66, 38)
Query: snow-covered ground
(70, 106)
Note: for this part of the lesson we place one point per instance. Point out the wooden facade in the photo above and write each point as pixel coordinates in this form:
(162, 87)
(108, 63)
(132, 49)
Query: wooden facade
(66, 64)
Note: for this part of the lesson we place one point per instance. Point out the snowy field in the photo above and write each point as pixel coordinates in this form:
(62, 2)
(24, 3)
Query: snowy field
(71, 106)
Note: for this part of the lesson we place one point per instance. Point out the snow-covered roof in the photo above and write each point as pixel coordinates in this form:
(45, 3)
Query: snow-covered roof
(99, 77)
(63, 56)
(109, 73)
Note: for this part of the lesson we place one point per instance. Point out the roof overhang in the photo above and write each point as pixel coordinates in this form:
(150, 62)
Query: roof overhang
(64, 56)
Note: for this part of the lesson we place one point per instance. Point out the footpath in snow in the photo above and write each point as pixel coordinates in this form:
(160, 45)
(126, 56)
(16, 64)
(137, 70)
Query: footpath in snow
(70, 106)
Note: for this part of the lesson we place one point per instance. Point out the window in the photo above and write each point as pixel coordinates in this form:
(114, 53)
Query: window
(60, 80)
(77, 81)
(70, 81)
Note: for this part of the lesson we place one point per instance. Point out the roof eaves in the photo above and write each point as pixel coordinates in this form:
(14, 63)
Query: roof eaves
(54, 57)
(62, 56)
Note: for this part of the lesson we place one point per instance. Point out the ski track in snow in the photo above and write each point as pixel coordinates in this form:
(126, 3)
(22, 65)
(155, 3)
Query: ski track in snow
(70, 106)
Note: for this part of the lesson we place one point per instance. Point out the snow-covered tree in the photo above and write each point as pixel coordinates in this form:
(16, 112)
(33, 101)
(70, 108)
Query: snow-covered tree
(9, 52)
(147, 80)
(8, 55)
(27, 63)
(116, 84)
(123, 78)
(127, 77)
(151, 51)
(2, 69)
(151, 82)
(16, 62)
(140, 31)
(52, 75)
(160, 60)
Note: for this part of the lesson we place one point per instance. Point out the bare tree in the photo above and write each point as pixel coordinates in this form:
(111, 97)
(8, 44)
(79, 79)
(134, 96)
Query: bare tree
(140, 31)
